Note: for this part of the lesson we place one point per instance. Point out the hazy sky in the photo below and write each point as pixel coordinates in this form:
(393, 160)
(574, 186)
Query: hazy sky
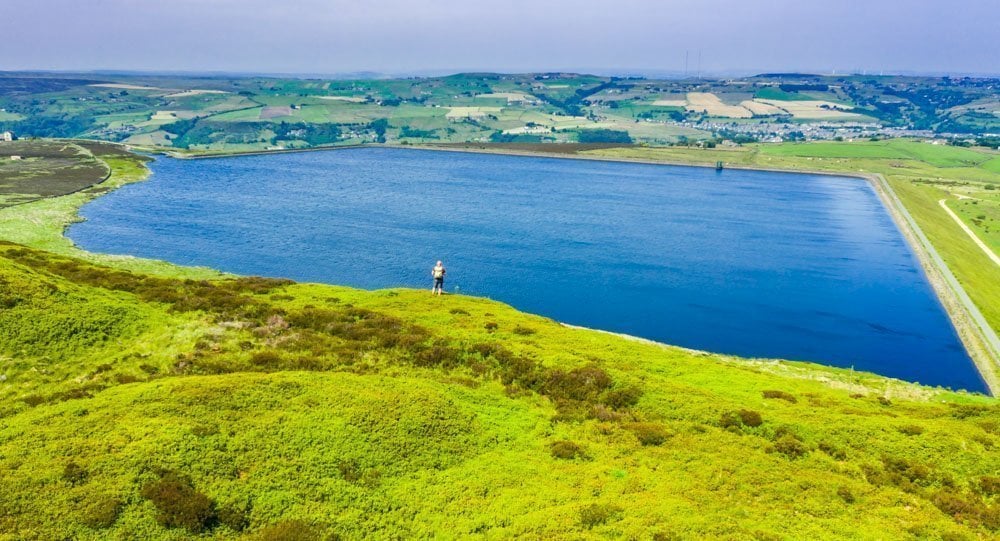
(335, 36)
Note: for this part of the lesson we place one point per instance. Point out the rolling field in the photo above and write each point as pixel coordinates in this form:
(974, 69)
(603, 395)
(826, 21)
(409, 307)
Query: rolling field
(938, 155)
(45, 169)
(713, 106)
(134, 109)
(813, 109)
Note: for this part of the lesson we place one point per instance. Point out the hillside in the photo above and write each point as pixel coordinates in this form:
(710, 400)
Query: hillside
(143, 400)
(225, 114)
(139, 406)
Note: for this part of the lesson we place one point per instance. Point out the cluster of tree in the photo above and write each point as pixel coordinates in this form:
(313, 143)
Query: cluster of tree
(407, 131)
(736, 137)
(962, 124)
(573, 105)
(379, 126)
(50, 126)
(314, 134)
(201, 132)
(672, 114)
(789, 87)
(930, 100)
(604, 136)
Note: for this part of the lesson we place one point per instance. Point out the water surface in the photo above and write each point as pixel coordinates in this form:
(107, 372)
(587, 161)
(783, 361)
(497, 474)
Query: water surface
(805, 267)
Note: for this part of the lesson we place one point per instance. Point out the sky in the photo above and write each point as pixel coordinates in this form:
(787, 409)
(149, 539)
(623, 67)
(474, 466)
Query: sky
(422, 36)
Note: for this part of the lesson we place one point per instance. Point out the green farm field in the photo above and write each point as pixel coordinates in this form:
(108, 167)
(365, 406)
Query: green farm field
(229, 115)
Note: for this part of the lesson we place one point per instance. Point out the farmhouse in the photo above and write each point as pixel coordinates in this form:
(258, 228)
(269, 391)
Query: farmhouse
(6, 136)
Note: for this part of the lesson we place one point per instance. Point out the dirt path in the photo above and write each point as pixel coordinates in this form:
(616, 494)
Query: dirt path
(972, 234)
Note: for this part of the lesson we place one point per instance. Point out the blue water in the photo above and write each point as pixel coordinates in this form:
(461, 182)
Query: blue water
(804, 267)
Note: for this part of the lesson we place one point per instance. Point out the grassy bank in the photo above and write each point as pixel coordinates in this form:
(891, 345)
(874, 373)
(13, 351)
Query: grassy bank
(139, 406)
(139, 401)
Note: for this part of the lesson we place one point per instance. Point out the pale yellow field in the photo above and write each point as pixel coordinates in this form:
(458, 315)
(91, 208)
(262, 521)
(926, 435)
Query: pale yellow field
(164, 116)
(671, 103)
(511, 97)
(156, 138)
(470, 112)
(352, 99)
(761, 108)
(705, 101)
(812, 109)
(195, 92)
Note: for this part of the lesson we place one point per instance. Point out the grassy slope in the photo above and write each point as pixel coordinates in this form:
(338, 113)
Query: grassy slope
(321, 409)
(386, 414)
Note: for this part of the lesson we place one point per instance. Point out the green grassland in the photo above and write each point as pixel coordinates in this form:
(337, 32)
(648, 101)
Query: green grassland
(226, 115)
(158, 408)
(139, 399)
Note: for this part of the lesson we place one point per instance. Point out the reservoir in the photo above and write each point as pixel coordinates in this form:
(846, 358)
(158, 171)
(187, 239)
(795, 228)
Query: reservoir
(751, 263)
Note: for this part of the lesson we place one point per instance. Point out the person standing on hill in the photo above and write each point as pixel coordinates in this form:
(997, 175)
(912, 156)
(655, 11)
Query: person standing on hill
(438, 273)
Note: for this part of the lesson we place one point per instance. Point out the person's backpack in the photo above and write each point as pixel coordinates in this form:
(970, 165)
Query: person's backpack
(439, 272)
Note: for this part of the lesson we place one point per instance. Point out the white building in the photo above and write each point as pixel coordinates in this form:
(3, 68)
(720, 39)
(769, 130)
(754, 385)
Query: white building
(6, 136)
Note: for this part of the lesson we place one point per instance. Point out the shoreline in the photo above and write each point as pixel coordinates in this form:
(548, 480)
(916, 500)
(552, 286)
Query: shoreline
(979, 339)
(977, 336)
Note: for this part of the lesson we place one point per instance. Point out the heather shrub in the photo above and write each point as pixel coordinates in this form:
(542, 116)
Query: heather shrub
(598, 514)
(780, 395)
(523, 331)
(258, 285)
(649, 433)
(291, 530)
(100, 511)
(911, 430)
(967, 508)
(74, 474)
(989, 485)
(266, 359)
(906, 474)
(179, 504)
(566, 450)
(350, 470)
(622, 397)
(582, 384)
(789, 446)
(834, 451)
(736, 420)
(235, 517)
(438, 355)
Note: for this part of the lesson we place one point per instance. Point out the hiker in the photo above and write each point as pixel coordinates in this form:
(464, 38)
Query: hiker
(438, 273)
